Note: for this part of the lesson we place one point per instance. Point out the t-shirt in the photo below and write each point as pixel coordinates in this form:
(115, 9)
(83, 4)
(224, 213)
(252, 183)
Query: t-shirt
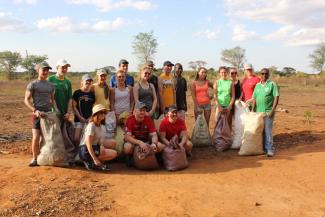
(167, 89)
(85, 102)
(100, 96)
(224, 92)
(63, 92)
(92, 130)
(237, 90)
(154, 80)
(140, 130)
(264, 96)
(181, 88)
(129, 81)
(172, 129)
(41, 93)
(248, 86)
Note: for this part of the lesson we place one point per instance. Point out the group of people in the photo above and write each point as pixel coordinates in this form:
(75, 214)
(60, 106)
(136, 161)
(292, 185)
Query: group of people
(140, 103)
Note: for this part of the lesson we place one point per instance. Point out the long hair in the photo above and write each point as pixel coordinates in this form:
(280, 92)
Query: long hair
(197, 73)
(94, 118)
(141, 70)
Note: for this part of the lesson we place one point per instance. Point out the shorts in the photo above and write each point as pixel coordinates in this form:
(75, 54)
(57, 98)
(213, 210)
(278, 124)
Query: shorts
(79, 125)
(205, 107)
(84, 153)
(36, 123)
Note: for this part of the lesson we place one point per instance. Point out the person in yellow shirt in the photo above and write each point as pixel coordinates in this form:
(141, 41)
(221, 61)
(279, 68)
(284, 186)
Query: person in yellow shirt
(101, 89)
(166, 87)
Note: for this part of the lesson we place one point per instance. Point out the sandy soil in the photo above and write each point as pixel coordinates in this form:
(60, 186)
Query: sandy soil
(225, 184)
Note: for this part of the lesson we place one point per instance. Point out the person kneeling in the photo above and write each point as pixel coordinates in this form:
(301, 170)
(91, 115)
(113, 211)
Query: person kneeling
(140, 129)
(172, 125)
(94, 149)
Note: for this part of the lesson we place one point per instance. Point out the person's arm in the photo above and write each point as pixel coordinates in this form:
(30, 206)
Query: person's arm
(163, 138)
(275, 93)
(112, 99)
(174, 93)
(89, 144)
(232, 97)
(193, 93)
(70, 111)
(29, 104)
(154, 104)
(129, 138)
(136, 92)
(76, 112)
(55, 107)
(254, 101)
(185, 90)
(161, 102)
(131, 98)
(184, 137)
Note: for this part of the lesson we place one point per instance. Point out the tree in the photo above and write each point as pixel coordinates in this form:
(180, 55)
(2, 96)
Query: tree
(196, 64)
(9, 61)
(317, 58)
(235, 57)
(287, 71)
(144, 47)
(29, 63)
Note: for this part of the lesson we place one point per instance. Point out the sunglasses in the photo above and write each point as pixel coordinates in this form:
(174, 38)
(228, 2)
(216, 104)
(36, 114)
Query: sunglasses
(122, 76)
(263, 73)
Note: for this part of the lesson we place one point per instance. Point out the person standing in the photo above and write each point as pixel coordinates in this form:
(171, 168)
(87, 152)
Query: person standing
(266, 98)
(63, 89)
(249, 84)
(200, 94)
(82, 103)
(153, 79)
(166, 87)
(180, 89)
(101, 89)
(122, 66)
(39, 98)
(234, 78)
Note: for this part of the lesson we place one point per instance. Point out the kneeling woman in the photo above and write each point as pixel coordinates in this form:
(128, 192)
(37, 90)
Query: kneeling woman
(94, 149)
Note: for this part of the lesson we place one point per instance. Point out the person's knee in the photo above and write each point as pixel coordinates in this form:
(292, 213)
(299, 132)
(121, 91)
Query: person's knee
(128, 148)
(160, 146)
(188, 145)
(109, 143)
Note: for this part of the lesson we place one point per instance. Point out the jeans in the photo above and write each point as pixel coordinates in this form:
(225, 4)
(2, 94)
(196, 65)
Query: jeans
(267, 134)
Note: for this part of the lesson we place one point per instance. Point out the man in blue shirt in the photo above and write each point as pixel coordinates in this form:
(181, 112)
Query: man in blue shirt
(122, 66)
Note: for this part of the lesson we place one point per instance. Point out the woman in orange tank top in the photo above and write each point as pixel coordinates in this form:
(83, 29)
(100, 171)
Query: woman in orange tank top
(200, 94)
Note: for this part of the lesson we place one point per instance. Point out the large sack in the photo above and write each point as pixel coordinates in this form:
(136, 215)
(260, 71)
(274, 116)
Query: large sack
(52, 150)
(174, 156)
(110, 125)
(145, 160)
(201, 135)
(238, 123)
(119, 138)
(222, 132)
(71, 149)
(252, 140)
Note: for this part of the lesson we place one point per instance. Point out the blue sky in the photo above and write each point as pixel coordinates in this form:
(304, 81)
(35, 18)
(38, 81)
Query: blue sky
(96, 33)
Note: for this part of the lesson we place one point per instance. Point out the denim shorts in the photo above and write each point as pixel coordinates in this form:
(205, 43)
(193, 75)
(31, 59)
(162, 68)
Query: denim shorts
(84, 153)
(205, 107)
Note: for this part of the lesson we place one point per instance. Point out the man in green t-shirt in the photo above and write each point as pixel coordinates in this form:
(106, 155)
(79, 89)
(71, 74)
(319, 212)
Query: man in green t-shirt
(266, 98)
(63, 89)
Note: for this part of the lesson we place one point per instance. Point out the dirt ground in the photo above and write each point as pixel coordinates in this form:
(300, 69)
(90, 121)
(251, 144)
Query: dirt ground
(290, 184)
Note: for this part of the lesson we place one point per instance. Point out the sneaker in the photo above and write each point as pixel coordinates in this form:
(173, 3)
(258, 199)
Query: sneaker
(89, 166)
(269, 154)
(33, 163)
(106, 167)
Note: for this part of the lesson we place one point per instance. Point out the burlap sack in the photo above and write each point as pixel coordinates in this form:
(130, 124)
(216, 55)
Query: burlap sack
(52, 150)
(252, 140)
(222, 132)
(145, 160)
(174, 156)
(201, 135)
(238, 123)
(71, 149)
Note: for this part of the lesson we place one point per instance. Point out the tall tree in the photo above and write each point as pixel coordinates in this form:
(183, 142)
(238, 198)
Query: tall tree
(196, 64)
(9, 61)
(234, 56)
(144, 47)
(29, 63)
(317, 58)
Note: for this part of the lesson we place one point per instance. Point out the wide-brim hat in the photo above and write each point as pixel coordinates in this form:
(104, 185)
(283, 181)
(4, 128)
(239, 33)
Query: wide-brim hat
(99, 107)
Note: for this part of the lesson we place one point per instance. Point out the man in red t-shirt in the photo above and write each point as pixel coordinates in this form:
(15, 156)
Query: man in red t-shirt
(249, 83)
(172, 125)
(140, 130)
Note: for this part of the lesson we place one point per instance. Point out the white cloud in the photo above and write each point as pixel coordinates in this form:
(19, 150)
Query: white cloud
(66, 24)
(240, 33)
(28, 2)
(107, 5)
(208, 34)
(9, 23)
(300, 15)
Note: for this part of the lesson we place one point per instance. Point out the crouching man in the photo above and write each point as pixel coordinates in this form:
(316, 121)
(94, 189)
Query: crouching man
(172, 125)
(140, 130)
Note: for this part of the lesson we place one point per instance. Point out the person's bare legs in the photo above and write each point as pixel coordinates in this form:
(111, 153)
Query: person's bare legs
(36, 142)
(77, 134)
(106, 154)
(207, 114)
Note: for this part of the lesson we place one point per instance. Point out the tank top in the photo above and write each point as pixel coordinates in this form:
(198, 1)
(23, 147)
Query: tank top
(202, 94)
(146, 96)
(122, 100)
(167, 89)
(100, 96)
(224, 92)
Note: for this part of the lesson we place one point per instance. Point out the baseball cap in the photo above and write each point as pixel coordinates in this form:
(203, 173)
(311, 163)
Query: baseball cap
(149, 63)
(101, 72)
(168, 63)
(86, 77)
(248, 66)
(123, 61)
(62, 62)
(43, 65)
(172, 108)
(140, 105)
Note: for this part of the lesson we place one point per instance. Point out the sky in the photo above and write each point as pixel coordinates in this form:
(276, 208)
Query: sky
(95, 33)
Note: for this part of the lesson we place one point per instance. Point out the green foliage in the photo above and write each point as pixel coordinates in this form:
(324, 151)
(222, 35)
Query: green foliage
(235, 57)
(317, 58)
(195, 65)
(9, 61)
(144, 47)
(29, 63)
